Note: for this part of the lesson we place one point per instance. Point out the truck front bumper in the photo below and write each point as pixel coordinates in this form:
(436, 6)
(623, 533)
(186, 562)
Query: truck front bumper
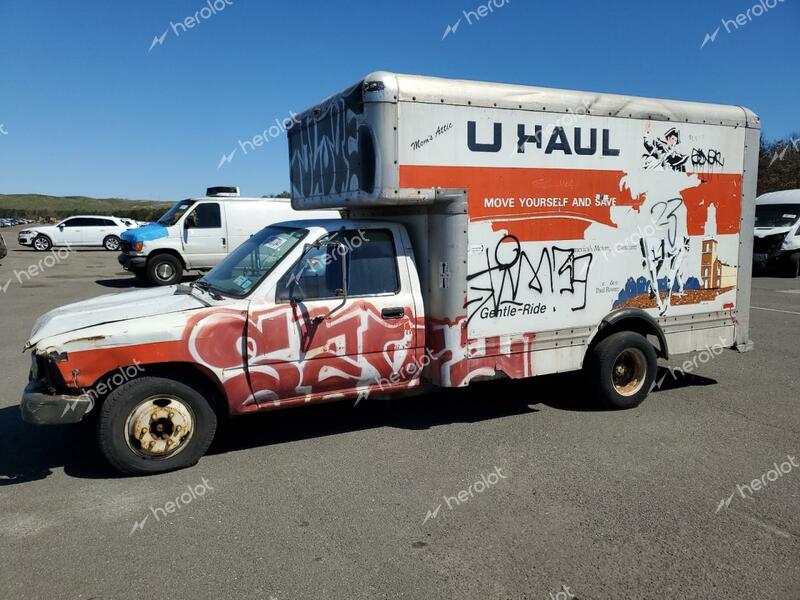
(132, 261)
(41, 408)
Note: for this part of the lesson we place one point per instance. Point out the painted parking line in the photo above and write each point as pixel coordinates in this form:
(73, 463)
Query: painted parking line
(788, 312)
(789, 291)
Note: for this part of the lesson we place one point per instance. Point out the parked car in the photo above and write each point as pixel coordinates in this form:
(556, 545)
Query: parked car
(3, 248)
(81, 230)
(448, 269)
(197, 233)
(777, 232)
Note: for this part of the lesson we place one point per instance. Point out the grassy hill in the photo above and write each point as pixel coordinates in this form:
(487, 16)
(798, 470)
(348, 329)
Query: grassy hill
(46, 208)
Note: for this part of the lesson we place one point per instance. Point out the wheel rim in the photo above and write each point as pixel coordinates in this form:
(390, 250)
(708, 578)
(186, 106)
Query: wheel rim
(40, 244)
(159, 427)
(165, 271)
(112, 243)
(629, 371)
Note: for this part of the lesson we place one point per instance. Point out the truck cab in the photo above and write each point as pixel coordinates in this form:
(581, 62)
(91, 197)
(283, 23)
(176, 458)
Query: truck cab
(303, 311)
(777, 232)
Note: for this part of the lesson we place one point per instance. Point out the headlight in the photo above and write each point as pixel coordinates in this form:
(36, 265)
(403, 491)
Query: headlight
(137, 246)
(25, 232)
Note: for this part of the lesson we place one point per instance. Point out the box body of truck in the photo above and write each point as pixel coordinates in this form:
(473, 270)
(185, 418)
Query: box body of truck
(536, 215)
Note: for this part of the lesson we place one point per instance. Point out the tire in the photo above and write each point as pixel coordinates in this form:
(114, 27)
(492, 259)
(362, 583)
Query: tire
(166, 408)
(164, 269)
(42, 243)
(623, 367)
(112, 243)
(792, 265)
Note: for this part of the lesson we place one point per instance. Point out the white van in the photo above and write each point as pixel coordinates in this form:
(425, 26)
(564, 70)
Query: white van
(777, 231)
(197, 233)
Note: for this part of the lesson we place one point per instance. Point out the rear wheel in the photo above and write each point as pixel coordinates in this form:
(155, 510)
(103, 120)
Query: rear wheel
(111, 242)
(164, 269)
(623, 367)
(42, 243)
(153, 425)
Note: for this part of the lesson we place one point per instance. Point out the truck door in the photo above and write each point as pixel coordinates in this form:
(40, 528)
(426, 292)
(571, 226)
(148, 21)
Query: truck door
(205, 241)
(317, 343)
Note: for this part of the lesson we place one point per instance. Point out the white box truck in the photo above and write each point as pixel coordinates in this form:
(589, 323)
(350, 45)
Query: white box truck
(490, 231)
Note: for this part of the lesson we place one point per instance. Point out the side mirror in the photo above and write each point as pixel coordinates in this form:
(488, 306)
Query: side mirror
(61, 227)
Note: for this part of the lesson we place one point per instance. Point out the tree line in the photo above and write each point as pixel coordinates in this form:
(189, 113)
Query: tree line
(779, 164)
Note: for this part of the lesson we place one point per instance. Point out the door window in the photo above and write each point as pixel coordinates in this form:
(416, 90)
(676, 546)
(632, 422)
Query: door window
(88, 222)
(371, 268)
(204, 216)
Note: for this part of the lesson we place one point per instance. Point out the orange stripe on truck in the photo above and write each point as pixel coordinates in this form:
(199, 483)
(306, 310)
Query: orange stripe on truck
(560, 204)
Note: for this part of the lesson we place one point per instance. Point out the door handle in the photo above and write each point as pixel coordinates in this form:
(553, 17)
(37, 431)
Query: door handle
(395, 312)
(223, 241)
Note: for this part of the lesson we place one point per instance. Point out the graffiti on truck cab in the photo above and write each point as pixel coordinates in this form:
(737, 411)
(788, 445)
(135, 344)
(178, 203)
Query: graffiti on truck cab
(512, 276)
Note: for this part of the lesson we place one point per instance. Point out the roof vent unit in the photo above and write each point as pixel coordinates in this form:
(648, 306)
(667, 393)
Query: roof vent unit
(223, 191)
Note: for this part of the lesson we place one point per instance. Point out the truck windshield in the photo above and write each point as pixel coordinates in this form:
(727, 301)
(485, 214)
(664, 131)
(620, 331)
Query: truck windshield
(174, 214)
(777, 215)
(247, 266)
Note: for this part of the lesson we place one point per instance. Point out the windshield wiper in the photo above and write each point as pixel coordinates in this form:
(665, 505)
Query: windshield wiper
(206, 287)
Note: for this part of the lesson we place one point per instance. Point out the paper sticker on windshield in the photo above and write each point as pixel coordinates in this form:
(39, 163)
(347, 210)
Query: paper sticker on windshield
(788, 216)
(276, 243)
(243, 282)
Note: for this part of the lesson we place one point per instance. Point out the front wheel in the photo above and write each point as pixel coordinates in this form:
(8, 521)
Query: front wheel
(152, 425)
(164, 269)
(42, 243)
(112, 243)
(623, 367)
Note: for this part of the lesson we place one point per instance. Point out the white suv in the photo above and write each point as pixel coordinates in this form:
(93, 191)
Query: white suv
(77, 231)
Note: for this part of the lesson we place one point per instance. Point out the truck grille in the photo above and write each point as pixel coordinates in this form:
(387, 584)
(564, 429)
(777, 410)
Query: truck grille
(125, 246)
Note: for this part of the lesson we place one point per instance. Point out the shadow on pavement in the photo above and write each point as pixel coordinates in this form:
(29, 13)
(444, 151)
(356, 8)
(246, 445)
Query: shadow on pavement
(29, 452)
(675, 378)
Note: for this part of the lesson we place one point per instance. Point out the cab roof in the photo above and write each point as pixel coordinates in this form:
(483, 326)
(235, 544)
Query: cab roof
(782, 197)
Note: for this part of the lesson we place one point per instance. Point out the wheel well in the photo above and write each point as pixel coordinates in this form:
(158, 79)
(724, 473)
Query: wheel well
(110, 235)
(169, 251)
(193, 375)
(645, 327)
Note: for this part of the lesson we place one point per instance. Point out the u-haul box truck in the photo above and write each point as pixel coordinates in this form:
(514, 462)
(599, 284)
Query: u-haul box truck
(491, 231)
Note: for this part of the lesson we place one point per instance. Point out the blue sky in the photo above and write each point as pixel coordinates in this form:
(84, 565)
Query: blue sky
(87, 108)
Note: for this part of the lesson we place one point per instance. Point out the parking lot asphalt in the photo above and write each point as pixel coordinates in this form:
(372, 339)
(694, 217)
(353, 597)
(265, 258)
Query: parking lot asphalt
(381, 500)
